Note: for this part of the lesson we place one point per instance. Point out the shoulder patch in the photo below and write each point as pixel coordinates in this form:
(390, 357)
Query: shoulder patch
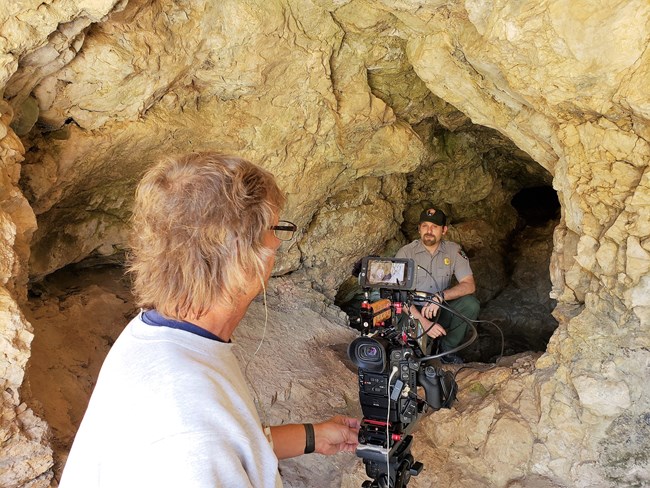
(462, 254)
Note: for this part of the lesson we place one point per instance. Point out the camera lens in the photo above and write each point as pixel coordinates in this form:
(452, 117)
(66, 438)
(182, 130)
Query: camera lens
(369, 352)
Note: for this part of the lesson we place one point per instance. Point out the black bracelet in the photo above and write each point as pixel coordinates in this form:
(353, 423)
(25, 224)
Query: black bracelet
(310, 440)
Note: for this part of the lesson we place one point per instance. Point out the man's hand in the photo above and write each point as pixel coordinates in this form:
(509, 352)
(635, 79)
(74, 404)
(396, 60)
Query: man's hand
(436, 331)
(430, 310)
(337, 434)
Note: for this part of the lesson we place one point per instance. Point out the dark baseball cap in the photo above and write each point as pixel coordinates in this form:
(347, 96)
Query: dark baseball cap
(435, 216)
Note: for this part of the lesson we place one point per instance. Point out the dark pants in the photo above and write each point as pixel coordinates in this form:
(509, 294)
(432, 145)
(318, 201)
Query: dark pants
(455, 326)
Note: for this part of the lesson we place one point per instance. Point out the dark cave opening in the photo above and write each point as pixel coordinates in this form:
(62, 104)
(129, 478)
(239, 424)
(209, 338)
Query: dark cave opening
(522, 310)
(536, 206)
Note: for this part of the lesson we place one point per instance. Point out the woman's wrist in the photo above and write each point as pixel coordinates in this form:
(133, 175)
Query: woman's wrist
(310, 438)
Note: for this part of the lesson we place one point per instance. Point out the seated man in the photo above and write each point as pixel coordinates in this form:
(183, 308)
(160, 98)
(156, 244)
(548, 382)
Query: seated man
(437, 260)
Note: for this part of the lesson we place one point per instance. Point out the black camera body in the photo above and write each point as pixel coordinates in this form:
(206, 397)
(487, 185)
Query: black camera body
(396, 383)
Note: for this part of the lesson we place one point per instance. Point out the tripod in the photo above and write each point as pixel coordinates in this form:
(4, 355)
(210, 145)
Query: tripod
(394, 474)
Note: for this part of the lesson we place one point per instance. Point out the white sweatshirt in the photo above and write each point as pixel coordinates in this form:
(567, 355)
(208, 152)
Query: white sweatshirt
(170, 409)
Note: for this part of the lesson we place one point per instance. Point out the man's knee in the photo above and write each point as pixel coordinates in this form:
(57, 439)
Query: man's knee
(469, 306)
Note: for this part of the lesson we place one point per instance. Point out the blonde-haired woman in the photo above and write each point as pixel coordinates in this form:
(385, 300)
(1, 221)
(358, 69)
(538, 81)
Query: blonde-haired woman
(171, 407)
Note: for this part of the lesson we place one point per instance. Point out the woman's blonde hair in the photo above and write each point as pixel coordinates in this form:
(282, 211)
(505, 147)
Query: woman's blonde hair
(198, 228)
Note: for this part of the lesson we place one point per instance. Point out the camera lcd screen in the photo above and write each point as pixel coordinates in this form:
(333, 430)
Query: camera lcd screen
(395, 273)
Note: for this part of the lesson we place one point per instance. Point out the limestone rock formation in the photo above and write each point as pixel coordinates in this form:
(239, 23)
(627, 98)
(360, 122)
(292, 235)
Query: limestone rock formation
(27, 456)
(367, 211)
(365, 111)
(26, 452)
(332, 133)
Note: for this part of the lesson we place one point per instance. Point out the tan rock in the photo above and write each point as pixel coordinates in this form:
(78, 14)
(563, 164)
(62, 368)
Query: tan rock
(510, 442)
(359, 217)
(7, 239)
(602, 397)
(27, 25)
(26, 454)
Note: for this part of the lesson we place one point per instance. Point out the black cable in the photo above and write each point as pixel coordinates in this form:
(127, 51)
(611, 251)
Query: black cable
(435, 318)
(433, 322)
(463, 317)
(467, 320)
(462, 346)
(503, 339)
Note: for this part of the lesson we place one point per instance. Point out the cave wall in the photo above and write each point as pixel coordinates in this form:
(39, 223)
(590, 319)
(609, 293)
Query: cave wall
(333, 96)
(277, 85)
(26, 454)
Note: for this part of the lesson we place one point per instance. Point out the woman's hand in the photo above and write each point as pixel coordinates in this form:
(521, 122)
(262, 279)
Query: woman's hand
(337, 434)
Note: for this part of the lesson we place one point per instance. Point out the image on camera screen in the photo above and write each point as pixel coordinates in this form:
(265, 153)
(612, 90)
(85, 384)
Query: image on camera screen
(390, 273)
(386, 273)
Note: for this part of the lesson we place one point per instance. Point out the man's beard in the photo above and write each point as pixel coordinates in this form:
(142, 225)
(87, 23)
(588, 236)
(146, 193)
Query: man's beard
(429, 240)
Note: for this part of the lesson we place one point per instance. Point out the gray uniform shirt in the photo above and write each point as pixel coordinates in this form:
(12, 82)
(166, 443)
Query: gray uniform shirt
(449, 260)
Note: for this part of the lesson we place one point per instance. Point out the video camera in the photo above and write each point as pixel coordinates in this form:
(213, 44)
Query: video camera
(397, 381)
